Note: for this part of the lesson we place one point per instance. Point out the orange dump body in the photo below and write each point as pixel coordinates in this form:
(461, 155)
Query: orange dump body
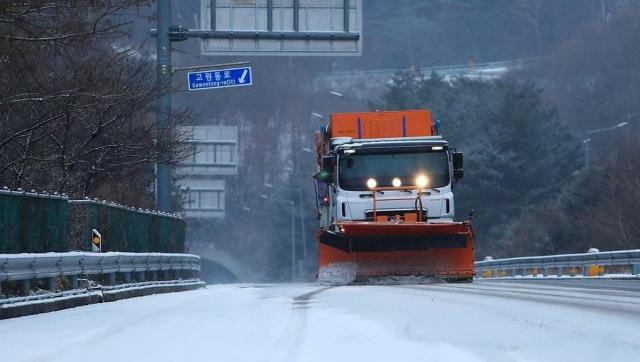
(362, 125)
(440, 250)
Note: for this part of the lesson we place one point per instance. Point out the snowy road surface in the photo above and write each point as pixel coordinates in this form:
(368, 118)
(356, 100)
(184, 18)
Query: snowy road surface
(484, 321)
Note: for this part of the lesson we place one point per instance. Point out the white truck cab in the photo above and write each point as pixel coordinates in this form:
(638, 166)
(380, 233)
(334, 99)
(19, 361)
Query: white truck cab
(403, 167)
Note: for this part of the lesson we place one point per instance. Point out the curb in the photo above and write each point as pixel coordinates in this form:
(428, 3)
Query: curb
(22, 309)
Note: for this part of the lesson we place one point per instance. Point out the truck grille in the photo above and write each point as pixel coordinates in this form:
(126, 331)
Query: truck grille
(391, 214)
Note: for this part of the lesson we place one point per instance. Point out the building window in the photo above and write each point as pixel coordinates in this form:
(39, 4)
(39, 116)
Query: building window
(204, 200)
(213, 153)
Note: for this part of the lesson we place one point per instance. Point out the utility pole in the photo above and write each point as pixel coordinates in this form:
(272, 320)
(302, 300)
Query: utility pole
(163, 171)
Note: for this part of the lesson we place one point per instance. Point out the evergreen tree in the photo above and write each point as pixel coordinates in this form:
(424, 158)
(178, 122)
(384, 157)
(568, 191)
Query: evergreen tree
(519, 154)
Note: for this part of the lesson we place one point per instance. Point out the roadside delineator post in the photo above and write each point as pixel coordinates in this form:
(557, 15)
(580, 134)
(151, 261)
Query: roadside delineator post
(96, 241)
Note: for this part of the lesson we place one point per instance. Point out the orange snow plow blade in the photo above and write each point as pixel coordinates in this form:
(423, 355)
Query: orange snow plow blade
(361, 250)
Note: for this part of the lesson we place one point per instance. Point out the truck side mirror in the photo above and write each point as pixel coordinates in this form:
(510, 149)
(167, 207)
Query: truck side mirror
(458, 165)
(323, 176)
(458, 161)
(327, 164)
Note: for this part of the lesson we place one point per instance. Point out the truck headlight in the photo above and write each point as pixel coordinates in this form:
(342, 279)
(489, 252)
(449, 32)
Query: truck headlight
(422, 181)
(371, 183)
(396, 182)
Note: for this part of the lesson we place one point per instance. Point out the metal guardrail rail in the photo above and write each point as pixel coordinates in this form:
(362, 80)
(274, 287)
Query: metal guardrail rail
(586, 264)
(109, 267)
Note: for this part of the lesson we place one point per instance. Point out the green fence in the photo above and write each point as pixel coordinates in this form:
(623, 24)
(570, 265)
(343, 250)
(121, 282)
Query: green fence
(32, 222)
(35, 223)
(123, 228)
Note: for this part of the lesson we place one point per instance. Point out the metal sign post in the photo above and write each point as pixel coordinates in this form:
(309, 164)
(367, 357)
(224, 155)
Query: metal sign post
(163, 172)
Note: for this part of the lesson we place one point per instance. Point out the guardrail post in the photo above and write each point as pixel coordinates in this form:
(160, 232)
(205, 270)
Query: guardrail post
(140, 276)
(73, 281)
(165, 275)
(51, 284)
(111, 279)
(175, 274)
(0, 289)
(559, 271)
(153, 275)
(635, 269)
(127, 277)
(25, 287)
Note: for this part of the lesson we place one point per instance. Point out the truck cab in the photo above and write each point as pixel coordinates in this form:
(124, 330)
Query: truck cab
(423, 165)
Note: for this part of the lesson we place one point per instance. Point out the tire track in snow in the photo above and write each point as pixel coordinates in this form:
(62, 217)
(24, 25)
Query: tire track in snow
(296, 325)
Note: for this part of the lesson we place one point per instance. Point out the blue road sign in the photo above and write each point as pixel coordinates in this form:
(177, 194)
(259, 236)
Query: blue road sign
(219, 78)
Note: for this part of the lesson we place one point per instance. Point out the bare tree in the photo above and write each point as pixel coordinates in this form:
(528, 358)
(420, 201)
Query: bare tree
(77, 108)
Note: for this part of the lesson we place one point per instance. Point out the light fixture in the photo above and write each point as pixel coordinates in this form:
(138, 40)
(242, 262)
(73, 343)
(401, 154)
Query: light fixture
(422, 181)
(371, 183)
(437, 148)
(396, 182)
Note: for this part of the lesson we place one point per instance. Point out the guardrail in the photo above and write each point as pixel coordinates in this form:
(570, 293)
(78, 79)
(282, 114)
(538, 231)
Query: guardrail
(626, 262)
(108, 268)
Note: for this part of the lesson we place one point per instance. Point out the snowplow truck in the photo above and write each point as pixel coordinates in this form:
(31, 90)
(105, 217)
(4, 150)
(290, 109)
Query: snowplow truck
(384, 187)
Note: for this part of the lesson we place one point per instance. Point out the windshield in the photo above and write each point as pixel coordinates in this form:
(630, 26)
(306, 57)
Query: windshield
(355, 169)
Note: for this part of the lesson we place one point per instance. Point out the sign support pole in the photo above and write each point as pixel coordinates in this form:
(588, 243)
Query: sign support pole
(166, 33)
(163, 171)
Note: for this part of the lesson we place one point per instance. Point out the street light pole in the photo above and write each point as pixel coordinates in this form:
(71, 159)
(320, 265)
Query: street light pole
(587, 140)
(587, 160)
(300, 212)
(293, 232)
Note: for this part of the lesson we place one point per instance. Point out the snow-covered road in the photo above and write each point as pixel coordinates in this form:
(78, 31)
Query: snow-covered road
(484, 321)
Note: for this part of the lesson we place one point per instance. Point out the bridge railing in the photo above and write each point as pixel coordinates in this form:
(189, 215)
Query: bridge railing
(622, 262)
(107, 268)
